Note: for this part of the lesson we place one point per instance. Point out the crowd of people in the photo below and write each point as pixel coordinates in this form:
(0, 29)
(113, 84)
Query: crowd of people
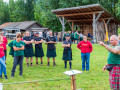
(23, 47)
(77, 36)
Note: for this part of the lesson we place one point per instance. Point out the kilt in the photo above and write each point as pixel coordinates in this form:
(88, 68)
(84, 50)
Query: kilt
(72, 38)
(29, 52)
(39, 52)
(67, 54)
(81, 38)
(76, 39)
(114, 77)
(64, 38)
(51, 53)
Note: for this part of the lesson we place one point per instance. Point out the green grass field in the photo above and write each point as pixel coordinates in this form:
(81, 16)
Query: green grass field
(95, 79)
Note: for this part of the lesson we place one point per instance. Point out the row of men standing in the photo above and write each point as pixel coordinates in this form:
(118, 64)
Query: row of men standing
(19, 49)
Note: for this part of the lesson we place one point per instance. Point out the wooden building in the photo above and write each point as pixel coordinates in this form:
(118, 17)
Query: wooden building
(93, 19)
(31, 26)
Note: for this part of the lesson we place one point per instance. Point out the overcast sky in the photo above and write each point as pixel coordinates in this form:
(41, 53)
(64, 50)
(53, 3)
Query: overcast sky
(6, 0)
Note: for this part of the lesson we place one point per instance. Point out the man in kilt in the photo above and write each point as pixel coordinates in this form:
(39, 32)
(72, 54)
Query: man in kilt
(113, 61)
(67, 53)
(28, 48)
(38, 48)
(51, 50)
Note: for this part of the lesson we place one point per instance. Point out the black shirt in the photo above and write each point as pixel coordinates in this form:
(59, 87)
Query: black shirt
(40, 44)
(67, 42)
(28, 39)
(50, 45)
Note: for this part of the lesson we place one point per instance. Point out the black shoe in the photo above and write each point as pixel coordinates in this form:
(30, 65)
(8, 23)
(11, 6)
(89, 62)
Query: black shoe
(41, 63)
(1, 76)
(70, 69)
(6, 77)
(12, 75)
(65, 67)
(21, 75)
(48, 64)
(31, 65)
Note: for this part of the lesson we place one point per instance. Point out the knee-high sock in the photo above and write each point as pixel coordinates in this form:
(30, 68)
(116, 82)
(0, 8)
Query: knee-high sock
(65, 64)
(70, 63)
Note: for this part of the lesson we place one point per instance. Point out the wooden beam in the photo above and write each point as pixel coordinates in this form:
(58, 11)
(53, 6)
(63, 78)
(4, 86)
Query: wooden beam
(80, 20)
(87, 19)
(72, 26)
(108, 21)
(99, 16)
(78, 14)
(62, 20)
(94, 28)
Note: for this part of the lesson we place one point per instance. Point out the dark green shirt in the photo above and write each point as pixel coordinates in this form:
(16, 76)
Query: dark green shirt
(76, 35)
(11, 48)
(113, 58)
(72, 34)
(18, 45)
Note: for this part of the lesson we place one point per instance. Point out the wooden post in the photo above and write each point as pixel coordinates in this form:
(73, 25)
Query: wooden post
(73, 82)
(94, 27)
(72, 26)
(63, 25)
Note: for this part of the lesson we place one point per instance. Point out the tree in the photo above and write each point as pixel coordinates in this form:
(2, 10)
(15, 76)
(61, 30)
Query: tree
(4, 12)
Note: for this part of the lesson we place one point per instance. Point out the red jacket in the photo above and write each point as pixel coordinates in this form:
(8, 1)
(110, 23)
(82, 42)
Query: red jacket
(85, 47)
(5, 42)
(1, 50)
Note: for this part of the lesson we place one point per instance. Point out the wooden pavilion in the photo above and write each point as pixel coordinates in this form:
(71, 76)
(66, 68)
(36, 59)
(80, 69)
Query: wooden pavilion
(93, 19)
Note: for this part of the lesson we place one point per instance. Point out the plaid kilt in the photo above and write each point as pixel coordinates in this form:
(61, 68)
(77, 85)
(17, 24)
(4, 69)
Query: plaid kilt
(114, 77)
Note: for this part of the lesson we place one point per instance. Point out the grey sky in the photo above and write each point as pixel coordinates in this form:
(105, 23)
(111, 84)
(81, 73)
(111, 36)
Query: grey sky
(6, 0)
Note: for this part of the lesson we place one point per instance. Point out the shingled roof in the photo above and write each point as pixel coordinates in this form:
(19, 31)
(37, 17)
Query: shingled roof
(21, 25)
(84, 14)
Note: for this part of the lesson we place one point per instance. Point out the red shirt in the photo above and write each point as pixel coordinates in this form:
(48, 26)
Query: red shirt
(1, 50)
(5, 42)
(85, 47)
(21, 39)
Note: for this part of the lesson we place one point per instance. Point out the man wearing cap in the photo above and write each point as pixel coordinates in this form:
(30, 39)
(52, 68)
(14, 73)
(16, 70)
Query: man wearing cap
(38, 48)
(51, 50)
(67, 53)
(86, 48)
(5, 41)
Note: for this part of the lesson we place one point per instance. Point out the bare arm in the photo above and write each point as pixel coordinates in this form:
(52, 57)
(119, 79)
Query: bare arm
(22, 48)
(115, 50)
(104, 68)
(51, 42)
(66, 45)
(54, 42)
(37, 42)
(27, 42)
(31, 41)
(15, 48)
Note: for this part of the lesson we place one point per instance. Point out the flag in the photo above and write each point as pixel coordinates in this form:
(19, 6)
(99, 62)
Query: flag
(106, 35)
